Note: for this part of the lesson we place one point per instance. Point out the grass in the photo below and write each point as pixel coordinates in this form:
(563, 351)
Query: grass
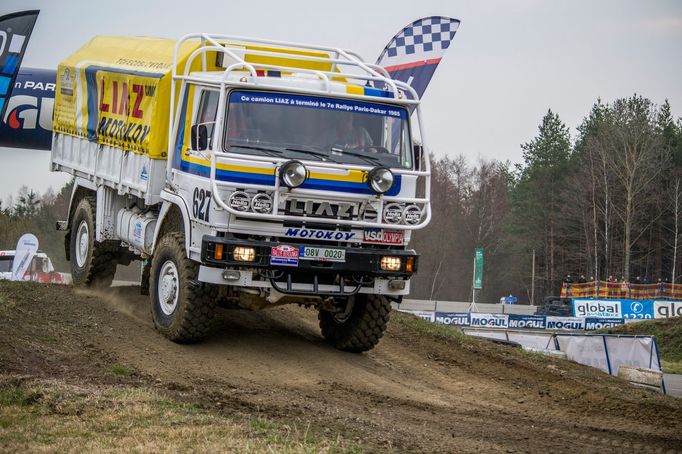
(668, 332)
(120, 369)
(425, 327)
(52, 416)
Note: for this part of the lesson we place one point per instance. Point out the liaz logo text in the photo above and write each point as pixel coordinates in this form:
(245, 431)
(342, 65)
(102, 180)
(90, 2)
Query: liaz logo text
(597, 308)
(383, 236)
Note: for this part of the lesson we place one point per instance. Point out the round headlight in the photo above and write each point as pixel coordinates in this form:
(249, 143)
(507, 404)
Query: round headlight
(293, 174)
(380, 179)
(261, 203)
(412, 215)
(393, 213)
(240, 201)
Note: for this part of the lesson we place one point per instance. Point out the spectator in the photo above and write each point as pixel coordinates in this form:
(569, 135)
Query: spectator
(637, 280)
(568, 279)
(591, 278)
(582, 279)
(610, 279)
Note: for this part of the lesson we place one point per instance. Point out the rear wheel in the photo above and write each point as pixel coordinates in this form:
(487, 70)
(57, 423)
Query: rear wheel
(359, 329)
(92, 262)
(182, 309)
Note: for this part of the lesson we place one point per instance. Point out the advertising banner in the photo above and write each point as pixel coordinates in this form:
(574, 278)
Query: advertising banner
(489, 320)
(122, 100)
(478, 269)
(527, 321)
(665, 309)
(429, 316)
(565, 323)
(601, 323)
(596, 308)
(27, 246)
(607, 308)
(453, 318)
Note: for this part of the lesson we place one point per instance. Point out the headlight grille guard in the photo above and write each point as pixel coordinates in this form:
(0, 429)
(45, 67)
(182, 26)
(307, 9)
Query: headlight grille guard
(423, 202)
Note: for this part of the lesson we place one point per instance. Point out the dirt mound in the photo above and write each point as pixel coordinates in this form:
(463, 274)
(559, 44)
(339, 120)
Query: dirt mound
(422, 389)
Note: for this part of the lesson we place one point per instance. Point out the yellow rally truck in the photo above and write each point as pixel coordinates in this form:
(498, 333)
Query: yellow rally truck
(243, 172)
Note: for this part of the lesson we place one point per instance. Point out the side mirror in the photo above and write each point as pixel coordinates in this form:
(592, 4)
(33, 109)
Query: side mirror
(418, 152)
(199, 137)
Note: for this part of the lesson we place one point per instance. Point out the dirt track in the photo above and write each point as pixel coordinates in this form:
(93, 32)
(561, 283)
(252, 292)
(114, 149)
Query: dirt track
(416, 391)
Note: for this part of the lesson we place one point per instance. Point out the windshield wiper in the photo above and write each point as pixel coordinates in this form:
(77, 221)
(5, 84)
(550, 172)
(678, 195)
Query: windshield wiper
(271, 151)
(370, 159)
(322, 156)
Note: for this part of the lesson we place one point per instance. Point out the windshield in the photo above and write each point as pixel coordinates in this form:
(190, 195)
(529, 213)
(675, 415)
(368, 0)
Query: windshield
(316, 128)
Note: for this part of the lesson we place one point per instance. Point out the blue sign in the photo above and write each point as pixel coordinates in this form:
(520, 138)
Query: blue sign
(314, 102)
(527, 321)
(613, 308)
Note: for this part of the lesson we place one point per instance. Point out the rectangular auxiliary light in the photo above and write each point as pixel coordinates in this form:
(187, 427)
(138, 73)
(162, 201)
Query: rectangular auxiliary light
(244, 254)
(390, 263)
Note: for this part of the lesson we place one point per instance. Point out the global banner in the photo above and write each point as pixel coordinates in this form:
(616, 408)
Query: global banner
(607, 308)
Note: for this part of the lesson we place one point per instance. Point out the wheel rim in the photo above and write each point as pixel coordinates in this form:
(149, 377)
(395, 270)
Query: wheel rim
(82, 243)
(168, 287)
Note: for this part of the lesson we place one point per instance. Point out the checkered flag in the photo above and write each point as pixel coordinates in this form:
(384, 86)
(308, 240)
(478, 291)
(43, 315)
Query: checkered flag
(414, 53)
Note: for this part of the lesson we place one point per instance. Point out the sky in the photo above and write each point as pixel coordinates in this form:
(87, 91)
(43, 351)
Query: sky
(509, 63)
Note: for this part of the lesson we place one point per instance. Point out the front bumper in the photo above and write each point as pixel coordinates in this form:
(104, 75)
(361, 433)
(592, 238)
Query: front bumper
(358, 261)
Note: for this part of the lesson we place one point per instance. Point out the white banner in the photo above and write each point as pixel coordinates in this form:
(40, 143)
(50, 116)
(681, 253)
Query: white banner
(27, 246)
(429, 316)
(665, 309)
(632, 351)
(588, 350)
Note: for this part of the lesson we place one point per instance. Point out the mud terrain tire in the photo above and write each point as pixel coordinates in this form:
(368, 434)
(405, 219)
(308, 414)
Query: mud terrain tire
(362, 329)
(93, 263)
(182, 309)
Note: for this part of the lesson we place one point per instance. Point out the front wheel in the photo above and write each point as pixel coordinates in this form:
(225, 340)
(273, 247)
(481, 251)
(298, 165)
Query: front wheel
(360, 329)
(182, 309)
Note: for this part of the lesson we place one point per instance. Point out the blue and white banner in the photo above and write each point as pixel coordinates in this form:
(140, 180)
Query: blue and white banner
(315, 102)
(489, 320)
(527, 321)
(607, 308)
(601, 323)
(412, 56)
(453, 318)
(565, 323)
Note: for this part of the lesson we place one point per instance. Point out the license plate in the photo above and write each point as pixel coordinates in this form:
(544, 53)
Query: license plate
(322, 254)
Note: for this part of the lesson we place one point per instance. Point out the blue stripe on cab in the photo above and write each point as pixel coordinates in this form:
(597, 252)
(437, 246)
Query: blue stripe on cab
(311, 183)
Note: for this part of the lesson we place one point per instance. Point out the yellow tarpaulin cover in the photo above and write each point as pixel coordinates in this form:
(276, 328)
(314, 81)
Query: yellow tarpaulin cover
(116, 91)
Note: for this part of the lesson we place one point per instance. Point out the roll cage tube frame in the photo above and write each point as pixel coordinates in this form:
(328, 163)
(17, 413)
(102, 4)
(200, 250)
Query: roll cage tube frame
(350, 59)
